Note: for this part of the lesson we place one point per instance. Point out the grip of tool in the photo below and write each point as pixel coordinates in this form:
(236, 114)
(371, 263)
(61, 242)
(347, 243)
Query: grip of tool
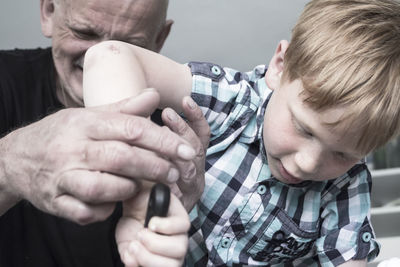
(158, 202)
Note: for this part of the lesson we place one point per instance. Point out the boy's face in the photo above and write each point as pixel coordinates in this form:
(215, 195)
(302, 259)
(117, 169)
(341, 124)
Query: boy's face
(299, 144)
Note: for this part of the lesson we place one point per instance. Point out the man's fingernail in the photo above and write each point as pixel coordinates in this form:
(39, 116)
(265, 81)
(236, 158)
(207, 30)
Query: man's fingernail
(186, 152)
(191, 103)
(171, 115)
(173, 175)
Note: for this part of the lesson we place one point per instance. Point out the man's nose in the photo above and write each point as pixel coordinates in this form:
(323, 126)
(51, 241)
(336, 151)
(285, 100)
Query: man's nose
(309, 160)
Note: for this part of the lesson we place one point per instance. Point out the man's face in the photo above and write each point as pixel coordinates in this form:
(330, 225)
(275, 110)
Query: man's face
(76, 25)
(299, 144)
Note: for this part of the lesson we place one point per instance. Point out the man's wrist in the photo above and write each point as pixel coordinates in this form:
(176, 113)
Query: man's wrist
(7, 198)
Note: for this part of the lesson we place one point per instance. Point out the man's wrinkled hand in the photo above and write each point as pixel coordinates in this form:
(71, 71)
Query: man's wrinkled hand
(77, 163)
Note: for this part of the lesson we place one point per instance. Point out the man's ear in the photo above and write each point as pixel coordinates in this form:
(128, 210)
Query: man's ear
(163, 34)
(275, 67)
(46, 17)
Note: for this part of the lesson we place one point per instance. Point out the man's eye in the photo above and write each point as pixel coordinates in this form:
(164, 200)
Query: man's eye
(85, 35)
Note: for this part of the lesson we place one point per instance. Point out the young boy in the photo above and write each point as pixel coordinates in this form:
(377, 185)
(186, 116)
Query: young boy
(285, 180)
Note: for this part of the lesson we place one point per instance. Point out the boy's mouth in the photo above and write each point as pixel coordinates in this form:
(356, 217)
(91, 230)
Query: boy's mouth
(289, 178)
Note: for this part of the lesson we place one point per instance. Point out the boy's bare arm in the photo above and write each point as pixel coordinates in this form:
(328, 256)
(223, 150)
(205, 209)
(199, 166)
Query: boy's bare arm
(136, 66)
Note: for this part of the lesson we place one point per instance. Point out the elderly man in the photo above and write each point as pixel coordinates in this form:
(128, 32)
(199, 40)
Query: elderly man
(61, 169)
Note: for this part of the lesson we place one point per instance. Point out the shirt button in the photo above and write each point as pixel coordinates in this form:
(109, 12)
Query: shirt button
(366, 237)
(216, 70)
(261, 189)
(225, 242)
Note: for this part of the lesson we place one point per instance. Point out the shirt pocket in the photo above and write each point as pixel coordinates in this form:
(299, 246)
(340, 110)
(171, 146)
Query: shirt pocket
(282, 240)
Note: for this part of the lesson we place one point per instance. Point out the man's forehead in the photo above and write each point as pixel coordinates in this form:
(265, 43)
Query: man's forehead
(139, 11)
(139, 6)
(114, 17)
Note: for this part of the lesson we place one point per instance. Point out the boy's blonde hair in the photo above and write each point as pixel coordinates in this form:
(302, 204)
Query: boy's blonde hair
(347, 54)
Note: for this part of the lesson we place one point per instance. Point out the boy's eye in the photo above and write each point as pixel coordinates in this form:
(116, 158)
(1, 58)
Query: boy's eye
(300, 129)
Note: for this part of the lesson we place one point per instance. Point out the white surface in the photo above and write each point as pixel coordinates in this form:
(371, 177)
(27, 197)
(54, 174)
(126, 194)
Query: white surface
(390, 249)
(393, 262)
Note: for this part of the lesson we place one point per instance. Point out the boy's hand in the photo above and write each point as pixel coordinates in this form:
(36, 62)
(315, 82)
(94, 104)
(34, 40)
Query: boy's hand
(139, 246)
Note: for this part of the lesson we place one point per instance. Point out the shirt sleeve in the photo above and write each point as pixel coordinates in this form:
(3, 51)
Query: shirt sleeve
(226, 97)
(346, 232)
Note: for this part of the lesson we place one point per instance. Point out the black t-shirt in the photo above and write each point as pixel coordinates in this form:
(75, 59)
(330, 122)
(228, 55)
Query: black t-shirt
(28, 236)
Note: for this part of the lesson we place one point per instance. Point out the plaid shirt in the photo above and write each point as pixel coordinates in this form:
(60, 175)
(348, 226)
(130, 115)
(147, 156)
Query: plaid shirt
(246, 216)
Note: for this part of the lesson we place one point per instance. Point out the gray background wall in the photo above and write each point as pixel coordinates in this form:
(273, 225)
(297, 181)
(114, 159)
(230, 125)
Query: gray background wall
(235, 33)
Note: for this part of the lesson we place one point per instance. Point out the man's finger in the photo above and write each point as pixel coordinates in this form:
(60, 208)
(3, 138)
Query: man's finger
(195, 130)
(97, 187)
(141, 132)
(128, 161)
(196, 120)
(80, 212)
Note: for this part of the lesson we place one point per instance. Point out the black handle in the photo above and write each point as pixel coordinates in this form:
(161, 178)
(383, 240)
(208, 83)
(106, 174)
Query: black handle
(158, 202)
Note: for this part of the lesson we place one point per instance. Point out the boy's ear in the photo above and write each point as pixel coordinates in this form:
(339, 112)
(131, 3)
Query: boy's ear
(275, 67)
(46, 17)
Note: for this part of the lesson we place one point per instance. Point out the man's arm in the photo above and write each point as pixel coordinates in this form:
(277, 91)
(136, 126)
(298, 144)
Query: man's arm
(131, 69)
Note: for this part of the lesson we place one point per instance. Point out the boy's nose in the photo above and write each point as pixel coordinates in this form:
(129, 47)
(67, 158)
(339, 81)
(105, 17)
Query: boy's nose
(309, 160)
